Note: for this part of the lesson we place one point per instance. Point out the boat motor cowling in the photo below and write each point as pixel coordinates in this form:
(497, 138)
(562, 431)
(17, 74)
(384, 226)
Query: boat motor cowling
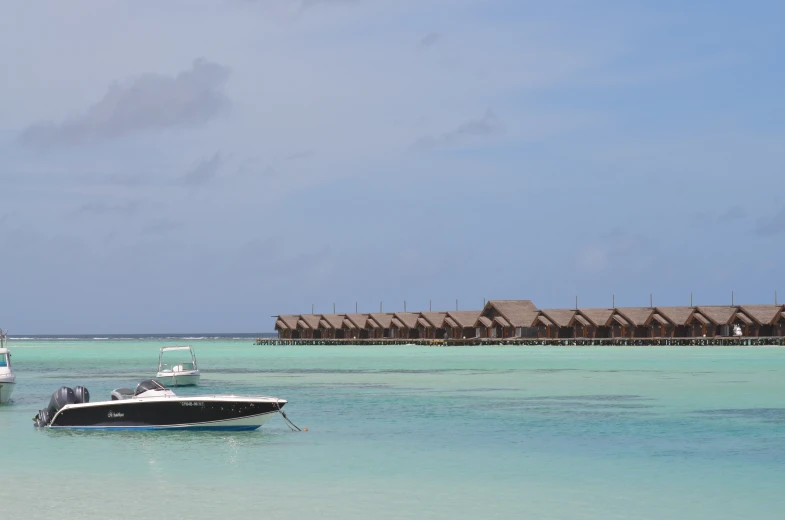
(62, 396)
(81, 394)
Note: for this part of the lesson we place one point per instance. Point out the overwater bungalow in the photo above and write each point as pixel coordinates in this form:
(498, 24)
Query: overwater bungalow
(507, 319)
(460, 324)
(638, 320)
(354, 326)
(556, 323)
(713, 320)
(379, 324)
(677, 319)
(308, 326)
(767, 319)
(404, 325)
(431, 325)
(599, 321)
(331, 326)
(286, 326)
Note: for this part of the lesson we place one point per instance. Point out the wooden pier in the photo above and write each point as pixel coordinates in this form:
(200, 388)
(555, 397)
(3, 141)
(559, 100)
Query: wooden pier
(739, 341)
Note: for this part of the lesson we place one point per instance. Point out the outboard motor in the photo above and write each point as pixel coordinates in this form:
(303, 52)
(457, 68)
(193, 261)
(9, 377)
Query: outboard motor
(43, 418)
(81, 394)
(60, 398)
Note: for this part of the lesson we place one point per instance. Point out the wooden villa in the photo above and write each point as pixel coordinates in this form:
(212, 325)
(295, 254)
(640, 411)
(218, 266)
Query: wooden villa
(460, 324)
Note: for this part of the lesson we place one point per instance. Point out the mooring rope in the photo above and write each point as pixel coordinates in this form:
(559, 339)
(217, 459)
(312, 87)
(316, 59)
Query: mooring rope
(289, 423)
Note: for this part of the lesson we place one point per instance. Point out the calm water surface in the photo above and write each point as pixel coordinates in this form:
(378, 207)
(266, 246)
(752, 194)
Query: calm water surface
(477, 432)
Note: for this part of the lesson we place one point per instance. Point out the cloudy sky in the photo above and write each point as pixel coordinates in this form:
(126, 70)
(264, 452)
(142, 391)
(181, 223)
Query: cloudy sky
(187, 166)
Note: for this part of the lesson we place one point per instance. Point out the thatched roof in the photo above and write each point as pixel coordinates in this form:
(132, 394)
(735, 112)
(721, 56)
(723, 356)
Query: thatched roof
(357, 320)
(659, 318)
(501, 321)
(676, 315)
(559, 317)
(312, 320)
(436, 319)
(409, 319)
(384, 320)
(580, 318)
(621, 320)
(335, 321)
(397, 323)
(718, 314)
(637, 316)
(763, 314)
(289, 319)
(281, 325)
(597, 317)
(464, 318)
(449, 322)
(520, 313)
(482, 320)
(544, 320)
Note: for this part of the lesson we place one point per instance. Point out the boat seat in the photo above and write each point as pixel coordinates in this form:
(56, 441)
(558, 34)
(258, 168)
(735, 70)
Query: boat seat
(118, 394)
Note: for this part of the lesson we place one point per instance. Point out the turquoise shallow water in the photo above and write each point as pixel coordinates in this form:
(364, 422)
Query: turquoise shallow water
(479, 432)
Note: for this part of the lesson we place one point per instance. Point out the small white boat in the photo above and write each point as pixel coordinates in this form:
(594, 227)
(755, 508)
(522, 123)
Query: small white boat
(174, 373)
(7, 378)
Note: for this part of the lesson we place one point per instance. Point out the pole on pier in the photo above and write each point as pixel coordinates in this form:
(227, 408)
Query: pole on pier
(690, 298)
(356, 307)
(333, 307)
(775, 297)
(483, 303)
(404, 306)
(613, 301)
(456, 304)
(380, 307)
(312, 308)
(576, 302)
(731, 298)
(651, 299)
(429, 306)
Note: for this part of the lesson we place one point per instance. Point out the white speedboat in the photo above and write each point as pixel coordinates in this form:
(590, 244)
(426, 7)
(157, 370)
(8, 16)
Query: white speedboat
(7, 378)
(152, 406)
(177, 373)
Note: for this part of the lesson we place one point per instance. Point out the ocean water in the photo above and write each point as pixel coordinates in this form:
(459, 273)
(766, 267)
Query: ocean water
(413, 432)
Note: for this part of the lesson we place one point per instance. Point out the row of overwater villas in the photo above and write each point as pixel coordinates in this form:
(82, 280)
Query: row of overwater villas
(521, 319)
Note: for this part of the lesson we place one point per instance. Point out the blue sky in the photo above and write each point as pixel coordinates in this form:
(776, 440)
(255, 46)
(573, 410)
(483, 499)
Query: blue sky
(188, 166)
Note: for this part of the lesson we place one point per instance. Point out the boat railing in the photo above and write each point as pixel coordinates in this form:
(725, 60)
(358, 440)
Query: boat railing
(177, 367)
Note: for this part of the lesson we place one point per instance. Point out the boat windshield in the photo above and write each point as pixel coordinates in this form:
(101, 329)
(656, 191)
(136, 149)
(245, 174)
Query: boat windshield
(3, 360)
(149, 384)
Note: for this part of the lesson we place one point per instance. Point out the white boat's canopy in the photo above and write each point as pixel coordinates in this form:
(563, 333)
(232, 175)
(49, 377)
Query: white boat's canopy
(186, 347)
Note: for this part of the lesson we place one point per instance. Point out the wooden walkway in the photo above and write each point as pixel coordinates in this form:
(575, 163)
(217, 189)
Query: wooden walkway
(576, 342)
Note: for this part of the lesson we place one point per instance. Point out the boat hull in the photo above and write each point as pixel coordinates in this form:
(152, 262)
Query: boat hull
(178, 378)
(6, 389)
(196, 413)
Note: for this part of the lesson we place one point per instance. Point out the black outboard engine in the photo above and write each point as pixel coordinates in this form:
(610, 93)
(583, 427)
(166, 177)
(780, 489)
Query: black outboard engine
(60, 398)
(43, 418)
(81, 394)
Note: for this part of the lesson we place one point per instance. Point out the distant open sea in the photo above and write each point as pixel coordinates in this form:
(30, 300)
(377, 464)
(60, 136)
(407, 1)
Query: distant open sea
(411, 432)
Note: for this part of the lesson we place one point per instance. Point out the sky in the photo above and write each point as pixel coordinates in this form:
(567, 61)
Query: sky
(200, 166)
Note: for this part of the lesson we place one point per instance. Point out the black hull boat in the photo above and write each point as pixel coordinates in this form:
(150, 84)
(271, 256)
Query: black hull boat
(152, 406)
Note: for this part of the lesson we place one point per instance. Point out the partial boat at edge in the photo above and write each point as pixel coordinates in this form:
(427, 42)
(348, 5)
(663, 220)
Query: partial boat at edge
(7, 377)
